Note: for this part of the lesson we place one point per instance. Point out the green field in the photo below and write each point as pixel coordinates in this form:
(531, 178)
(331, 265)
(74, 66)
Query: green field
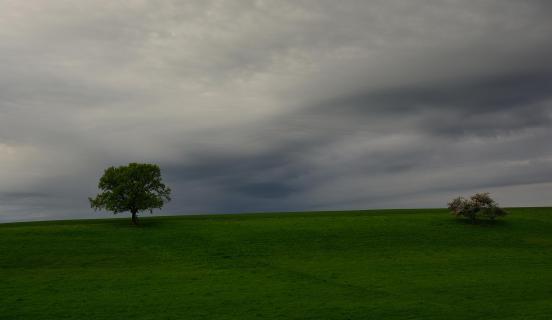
(381, 264)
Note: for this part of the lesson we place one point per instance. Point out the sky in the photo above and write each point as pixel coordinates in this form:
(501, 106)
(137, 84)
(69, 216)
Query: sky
(252, 106)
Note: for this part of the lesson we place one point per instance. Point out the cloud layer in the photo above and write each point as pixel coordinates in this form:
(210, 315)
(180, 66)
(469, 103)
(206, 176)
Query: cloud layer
(267, 106)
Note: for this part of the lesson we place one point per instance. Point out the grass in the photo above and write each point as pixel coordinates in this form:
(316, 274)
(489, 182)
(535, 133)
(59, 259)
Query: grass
(381, 264)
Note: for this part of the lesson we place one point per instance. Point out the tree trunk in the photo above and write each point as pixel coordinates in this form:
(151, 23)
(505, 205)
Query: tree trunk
(134, 217)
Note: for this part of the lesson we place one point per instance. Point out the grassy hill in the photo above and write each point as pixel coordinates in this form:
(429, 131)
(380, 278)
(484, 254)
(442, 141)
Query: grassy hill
(384, 264)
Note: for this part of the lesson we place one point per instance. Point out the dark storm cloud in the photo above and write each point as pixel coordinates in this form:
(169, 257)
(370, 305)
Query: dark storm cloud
(262, 106)
(470, 106)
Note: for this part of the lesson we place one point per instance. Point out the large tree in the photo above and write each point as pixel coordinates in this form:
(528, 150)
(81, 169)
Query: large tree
(136, 188)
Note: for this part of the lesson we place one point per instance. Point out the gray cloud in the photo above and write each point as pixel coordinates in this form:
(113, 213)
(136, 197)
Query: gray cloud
(262, 106)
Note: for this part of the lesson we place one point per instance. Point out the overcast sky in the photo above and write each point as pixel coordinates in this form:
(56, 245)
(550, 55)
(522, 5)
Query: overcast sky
(275, 105)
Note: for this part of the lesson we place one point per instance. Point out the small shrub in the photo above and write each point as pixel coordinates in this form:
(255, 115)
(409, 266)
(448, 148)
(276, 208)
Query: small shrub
(480, 205)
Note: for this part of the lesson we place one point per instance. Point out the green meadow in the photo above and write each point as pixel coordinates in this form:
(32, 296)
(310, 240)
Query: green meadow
(377, 264)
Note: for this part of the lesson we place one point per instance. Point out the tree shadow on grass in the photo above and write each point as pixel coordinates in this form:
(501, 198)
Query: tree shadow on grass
(482, 222)
(143, 223)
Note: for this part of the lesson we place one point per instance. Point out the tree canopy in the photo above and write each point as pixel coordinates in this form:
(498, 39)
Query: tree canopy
(136, 187)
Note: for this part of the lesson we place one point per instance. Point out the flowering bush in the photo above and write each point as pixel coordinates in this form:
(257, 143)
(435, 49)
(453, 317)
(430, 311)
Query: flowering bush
(478, 205)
